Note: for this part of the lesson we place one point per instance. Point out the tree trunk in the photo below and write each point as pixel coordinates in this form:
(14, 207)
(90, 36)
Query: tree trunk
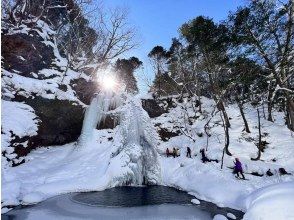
(221, 107)
(219, 103)
(240, 105)
(263, 110)
(270, 104)
(259, 138)
(200, 104)
(223, 156)
(243, 117)
(227, 137)
(290, 114)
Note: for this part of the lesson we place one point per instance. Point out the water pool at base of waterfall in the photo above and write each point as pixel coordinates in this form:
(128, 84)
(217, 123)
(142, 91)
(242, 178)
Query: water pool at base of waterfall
(146, 202)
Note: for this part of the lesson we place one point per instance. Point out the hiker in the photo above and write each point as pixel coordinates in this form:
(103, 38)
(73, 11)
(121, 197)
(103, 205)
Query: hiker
(269, 172)
(238, 168)
(282, 171)
(174, 152)
(188, 152)
(167, 152)
(178, 152)
(204, 158)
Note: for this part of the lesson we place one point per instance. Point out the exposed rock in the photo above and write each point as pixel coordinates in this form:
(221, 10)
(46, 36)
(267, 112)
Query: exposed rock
(26, 54)
(110, 122)
(152, 108)
(61, 121)
(165, 134)
(85, 90)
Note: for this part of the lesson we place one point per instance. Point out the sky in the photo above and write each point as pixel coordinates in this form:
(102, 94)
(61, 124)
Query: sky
(158, 21)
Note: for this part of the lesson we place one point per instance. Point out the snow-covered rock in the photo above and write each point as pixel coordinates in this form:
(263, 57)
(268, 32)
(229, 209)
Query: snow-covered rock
(195, 201)
(32, 198)
(231, 216)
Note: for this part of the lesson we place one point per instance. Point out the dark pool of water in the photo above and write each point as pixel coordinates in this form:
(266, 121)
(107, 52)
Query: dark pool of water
(127, 196)
(134, 196)
(152, 202)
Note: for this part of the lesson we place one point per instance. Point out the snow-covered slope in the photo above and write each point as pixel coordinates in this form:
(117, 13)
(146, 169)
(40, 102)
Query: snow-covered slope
(208, 181)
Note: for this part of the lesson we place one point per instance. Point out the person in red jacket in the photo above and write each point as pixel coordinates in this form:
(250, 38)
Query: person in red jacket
(167, 152)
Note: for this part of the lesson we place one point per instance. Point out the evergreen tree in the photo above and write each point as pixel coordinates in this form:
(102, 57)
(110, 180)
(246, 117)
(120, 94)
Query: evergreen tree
(125, 72)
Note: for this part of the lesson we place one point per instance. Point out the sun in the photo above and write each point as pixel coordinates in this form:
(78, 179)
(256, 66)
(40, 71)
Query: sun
(108, 82)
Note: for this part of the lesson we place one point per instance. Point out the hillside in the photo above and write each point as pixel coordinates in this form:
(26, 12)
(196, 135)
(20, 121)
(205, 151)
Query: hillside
(96, 167)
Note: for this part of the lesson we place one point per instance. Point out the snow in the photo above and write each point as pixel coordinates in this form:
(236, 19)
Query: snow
(33, 198)
(47, 88)
(219, 217)
(18, 119)
(231, 216)
(272, 202)
(14, 83)
(133, 150)
(195, 201)
(208, 181)
(103, 163)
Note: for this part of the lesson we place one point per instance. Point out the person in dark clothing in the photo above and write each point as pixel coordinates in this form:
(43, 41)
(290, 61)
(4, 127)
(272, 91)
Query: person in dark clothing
(238, 168)
(269, 172)
(203, 156)
(174, 152)
(282, 171)
(167, 152)
(205, 159)
(188, 152)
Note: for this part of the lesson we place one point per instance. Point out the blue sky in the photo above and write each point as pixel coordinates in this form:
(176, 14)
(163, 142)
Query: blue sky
(157, 22)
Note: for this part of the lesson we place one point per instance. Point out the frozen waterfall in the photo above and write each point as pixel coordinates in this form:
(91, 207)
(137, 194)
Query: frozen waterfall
(95, 113)
(137, 156)
(134, 160)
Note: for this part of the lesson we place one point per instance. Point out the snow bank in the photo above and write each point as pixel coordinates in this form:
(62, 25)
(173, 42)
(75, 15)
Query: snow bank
(18, 119)
(195, 201)
(272, 202)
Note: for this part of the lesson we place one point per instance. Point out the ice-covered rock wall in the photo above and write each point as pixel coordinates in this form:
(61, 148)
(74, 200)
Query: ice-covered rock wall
(136, 161)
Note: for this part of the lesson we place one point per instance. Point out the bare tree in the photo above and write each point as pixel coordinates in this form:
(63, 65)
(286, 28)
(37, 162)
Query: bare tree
(116, 36)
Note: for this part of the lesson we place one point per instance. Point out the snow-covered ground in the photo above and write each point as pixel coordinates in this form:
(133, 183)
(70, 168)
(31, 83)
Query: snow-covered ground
(272, 202)
(71, 168)
(210, 182)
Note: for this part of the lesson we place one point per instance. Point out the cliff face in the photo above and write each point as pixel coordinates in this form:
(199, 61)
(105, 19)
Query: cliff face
(43, 101)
